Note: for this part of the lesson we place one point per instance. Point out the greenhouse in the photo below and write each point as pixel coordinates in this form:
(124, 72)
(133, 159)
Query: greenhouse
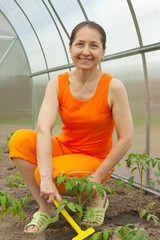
(34, 48)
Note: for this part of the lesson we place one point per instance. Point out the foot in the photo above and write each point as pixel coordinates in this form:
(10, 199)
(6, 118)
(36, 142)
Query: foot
(98, 202)
(50, 211)
(95, 211)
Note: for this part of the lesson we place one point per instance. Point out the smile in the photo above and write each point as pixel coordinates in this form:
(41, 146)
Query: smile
(85, 59)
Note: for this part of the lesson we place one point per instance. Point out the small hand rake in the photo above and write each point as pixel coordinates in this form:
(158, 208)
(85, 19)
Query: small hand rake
(81, 234)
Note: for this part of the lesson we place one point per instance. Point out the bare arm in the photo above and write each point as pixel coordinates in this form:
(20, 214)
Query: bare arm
(46, 121)
(118, 101)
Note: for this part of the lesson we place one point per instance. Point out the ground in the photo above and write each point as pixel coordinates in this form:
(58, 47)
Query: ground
(122, 210)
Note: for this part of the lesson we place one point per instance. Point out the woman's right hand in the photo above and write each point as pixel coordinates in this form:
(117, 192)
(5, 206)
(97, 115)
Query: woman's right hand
(49, 192)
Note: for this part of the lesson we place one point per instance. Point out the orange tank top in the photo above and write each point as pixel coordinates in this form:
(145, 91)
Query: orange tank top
(87, 125)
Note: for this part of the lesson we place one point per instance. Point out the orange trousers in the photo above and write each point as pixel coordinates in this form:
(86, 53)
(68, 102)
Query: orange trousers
(23, 145)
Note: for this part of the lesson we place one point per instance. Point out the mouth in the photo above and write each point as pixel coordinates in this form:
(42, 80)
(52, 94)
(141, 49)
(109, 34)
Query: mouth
(85, 59)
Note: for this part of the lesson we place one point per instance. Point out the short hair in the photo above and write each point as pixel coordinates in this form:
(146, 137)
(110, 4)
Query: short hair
(90, 24)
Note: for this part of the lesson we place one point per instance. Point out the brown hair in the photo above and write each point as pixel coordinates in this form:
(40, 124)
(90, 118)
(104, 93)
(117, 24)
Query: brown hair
(89, 24)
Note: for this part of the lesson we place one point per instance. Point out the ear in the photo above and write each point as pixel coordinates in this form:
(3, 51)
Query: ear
(70, 48)
(103, 53)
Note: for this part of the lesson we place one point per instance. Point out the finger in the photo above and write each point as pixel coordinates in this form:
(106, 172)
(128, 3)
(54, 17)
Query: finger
(58, 197)
(50, 198)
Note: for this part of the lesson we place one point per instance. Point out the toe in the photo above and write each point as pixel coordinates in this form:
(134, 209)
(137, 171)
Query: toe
(32, 229)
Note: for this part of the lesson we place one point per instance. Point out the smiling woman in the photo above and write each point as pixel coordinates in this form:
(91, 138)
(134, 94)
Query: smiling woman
(91, 103)
(87, 45)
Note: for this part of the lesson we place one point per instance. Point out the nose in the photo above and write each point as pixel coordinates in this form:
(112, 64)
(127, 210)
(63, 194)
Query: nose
(86, 50)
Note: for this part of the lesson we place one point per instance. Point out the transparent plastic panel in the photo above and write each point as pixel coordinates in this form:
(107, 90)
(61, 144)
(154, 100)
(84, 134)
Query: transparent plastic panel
(39, 86)
(153, 63)
(25, 33)
(15, 88)
(69, 12)
(46, 31)
(56, 73)
(153, 66)
(4, 46)
(115, 17)
(130, 71)
(148, 16)
(62, 32)
(5, 28)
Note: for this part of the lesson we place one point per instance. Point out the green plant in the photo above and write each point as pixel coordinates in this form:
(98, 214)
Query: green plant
(80, 187)
(128, 233)
(9, 137)
(102, 235)
(15, 180)
(142, 162)
(10, 204)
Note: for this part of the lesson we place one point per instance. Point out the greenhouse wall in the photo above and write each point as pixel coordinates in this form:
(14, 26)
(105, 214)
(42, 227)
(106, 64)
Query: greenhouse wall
(34, 49)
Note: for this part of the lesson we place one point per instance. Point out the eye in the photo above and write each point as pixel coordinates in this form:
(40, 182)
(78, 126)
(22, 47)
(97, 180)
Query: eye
(93, 45)
(79, 44)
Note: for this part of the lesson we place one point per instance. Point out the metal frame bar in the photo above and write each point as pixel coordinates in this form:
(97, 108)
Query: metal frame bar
(34, 33)
(7, 51)
(86, 18)
(146, 83)
(131, 52)
(65, 50)
(54, 10)
(136, 184)
(82, 9)
(2, 37)
(7, 18)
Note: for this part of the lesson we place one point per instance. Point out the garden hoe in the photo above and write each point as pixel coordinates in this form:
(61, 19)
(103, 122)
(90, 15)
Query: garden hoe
(81, 234)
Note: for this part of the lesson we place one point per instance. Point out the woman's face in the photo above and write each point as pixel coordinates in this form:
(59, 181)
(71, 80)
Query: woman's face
(86, 49)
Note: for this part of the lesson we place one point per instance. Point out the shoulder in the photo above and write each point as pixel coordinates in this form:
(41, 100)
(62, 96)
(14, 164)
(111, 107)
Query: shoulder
(53, 82)
(116, 86)
(117, 91)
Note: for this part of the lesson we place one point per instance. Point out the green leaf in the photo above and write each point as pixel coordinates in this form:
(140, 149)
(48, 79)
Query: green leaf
(71, 206)
(82, 187)
(128, 186)
(60, 208)
(150, 205)
(67, 186)
(143, 213)
(96, 236)
(3, 200)
(110, 190)
(89, 187)
(119, 165)
(25, 200)
(131, 180)
(79, 208)
(14, 204)
(107, 233)
(157, 173)
(159, 165)
(154, 161)
(90, 198)
(155, 218)
(119, 183)
(133, 170)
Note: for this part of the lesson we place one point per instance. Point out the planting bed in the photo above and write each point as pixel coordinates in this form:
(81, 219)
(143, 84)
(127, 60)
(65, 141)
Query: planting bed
(122, 210)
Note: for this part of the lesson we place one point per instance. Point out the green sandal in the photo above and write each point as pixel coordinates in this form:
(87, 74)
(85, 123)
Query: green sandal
(41, 221)
(95, 216)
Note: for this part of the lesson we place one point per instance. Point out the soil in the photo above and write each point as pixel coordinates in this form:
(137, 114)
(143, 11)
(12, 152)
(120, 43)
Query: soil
(122, 210)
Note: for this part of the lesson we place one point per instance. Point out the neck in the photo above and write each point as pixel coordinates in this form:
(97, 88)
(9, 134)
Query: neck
(86, 76)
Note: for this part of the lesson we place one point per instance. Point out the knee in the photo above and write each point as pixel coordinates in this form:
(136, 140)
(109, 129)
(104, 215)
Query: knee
(21, 137)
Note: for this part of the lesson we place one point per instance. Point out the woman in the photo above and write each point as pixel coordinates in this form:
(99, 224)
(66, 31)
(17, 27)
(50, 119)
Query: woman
(90, 104)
